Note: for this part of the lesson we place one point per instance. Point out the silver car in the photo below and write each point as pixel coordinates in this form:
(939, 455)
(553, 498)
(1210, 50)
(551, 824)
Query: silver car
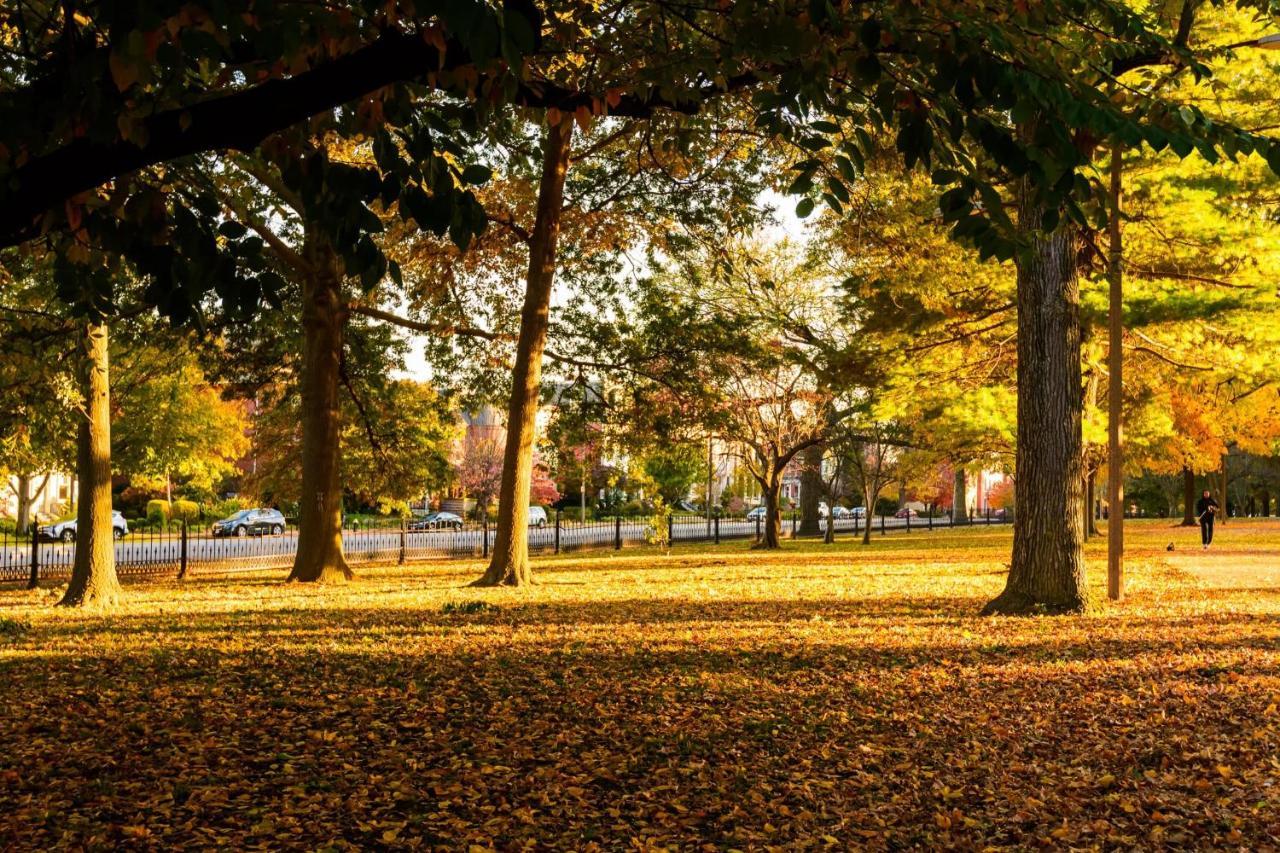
(65, 531)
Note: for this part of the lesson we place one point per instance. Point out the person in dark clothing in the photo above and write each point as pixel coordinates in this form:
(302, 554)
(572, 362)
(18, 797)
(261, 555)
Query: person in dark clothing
(1206, 508)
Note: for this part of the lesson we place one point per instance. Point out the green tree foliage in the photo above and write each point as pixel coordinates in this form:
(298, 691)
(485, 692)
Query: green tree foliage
(396, 443)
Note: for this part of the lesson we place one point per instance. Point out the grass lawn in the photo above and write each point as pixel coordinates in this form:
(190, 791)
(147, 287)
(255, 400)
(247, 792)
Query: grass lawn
(821, 696)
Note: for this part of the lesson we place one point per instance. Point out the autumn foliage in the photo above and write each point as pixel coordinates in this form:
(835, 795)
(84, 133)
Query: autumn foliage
(819, 697)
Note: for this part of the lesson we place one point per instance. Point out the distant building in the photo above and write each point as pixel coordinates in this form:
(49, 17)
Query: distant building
(50, 495)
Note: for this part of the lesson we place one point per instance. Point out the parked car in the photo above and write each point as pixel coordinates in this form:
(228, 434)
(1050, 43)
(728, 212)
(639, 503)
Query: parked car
(537, 516)
(65, 531)
(759, 513)
(437, 520)
(906, 512)
(251, 522)
(858, 512)
(840, 512)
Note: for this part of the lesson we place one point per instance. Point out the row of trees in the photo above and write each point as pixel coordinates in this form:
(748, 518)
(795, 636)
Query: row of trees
(439, 166)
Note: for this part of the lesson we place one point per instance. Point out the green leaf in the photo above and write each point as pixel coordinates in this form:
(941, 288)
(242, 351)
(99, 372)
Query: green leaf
(477, 174)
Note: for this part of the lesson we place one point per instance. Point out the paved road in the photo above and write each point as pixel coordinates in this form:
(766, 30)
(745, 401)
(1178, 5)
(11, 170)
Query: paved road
(140, 552)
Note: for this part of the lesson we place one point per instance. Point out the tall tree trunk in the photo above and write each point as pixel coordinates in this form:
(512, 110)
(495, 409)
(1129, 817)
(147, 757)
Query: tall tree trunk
(24, 503)
(1047, 568)
(319, 557)
(510, 563)
(93, 573)
(811, 492)
(1115, 390)
(771, 489)
(959, 499)
(1090, 486)
(869, 497)
(1188, 498)
(1264, 504)
(1222, 493)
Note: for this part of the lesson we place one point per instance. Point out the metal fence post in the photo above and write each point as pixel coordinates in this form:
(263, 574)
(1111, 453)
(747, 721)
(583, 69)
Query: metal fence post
(671, 530)
(182, 552)
(557, 531)
(988, 515)
(793, 524)
(617, 533)
(757, 528)
(930, 522)
(484, 532)
(34, 580)
(403, 534)
(882, 525)
(908, 520)
(717, 530)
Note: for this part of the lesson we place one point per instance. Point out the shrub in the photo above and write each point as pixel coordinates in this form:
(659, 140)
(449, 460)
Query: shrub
(185, 511)
(8, 525)
(227, 508)
(158, 511)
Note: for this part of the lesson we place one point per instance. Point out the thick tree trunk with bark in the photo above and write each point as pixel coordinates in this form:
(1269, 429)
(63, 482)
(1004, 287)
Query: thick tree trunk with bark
(1188, 498)
(1047, 568)
(23, 516)
(869, 498)
(510, 561)
(811, 491)
(319, 557)
(1090, 501)
(771, 487)
(93, 574)
(1222, 492)
(959, 509)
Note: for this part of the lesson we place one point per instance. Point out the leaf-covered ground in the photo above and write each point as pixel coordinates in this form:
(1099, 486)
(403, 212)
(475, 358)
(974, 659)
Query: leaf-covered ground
(821, 697)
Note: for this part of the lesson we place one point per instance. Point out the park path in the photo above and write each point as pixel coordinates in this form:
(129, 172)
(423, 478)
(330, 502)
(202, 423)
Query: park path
(1245, 554)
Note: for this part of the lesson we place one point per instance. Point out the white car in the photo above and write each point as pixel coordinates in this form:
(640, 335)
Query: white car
(759, 513)
(858, 512)
(841, 512)
(537, 516)
(65, 531)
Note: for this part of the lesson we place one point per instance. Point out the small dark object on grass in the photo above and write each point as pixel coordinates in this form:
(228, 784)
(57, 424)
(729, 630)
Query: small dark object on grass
(1170, 548)
(13, 628)
(467, 607)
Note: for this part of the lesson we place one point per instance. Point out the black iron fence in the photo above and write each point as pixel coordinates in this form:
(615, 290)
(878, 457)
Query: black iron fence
(178, 549)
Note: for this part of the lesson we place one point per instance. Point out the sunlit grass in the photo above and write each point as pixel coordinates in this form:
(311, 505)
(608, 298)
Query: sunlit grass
(818, 696)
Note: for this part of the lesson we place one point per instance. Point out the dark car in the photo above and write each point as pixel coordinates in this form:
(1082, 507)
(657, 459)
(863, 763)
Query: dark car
(251, 522)
(436, 521)
(906, 512)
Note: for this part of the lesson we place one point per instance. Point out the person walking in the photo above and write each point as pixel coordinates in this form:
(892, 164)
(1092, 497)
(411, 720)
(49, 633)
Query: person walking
(1206, 508)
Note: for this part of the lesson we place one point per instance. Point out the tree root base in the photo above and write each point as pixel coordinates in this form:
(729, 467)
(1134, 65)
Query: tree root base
(507, 579)
(330, 575)
(1015, 603)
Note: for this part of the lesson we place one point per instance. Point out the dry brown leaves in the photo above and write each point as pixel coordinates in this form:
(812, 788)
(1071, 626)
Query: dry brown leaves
(824, 697)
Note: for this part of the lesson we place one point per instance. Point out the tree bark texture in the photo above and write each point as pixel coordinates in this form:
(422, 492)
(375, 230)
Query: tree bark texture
(509, 565)
(1115, 390)
(959, 510)
(1188, 498)
(93, 573)
(1047, 570)
(319, 558)
(771, 487)
(811, 491)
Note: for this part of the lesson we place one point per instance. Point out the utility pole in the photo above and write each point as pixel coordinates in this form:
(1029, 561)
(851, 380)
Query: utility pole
(1115, 389)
